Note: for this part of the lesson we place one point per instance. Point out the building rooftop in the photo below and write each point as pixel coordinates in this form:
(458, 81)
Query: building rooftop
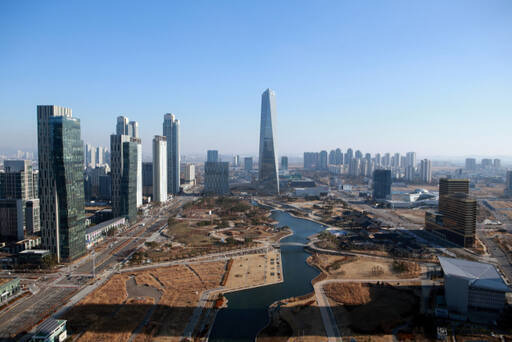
(49, 326)
(479, 274)
(5, 280)
(34, 251)
(103, 225)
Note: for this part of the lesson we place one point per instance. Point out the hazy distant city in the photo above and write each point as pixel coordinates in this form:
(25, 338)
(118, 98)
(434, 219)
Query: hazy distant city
(235, 171)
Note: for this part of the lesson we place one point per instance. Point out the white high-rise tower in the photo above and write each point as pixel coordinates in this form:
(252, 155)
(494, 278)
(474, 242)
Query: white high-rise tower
(159, 169)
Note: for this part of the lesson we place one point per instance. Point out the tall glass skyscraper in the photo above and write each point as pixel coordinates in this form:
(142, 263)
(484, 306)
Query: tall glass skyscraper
(171, 130)
(61, 182)
(268, 166)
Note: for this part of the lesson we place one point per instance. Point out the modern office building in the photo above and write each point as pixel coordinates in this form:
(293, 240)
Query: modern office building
(19, 205)
(473, 287)
(236, 161)
(61, 182)
(122, 125)
(284, 163)
(171, 130)
(456, 219)
(159, 169)
(216, 178)
(212, 156)
(381, 185)
(131, 129)
(268, 165)
(470, 164)
(248, 163)
(190, 174)
(124, 160)
(147, 179)
(426, 171)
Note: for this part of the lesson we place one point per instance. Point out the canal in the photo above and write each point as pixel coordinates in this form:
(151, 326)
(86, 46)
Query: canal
(246, 313)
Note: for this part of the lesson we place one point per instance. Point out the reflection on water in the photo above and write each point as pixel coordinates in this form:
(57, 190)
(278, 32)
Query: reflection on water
(246, 313)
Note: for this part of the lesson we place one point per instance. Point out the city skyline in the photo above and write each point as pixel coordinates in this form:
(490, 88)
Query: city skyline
(452, 66)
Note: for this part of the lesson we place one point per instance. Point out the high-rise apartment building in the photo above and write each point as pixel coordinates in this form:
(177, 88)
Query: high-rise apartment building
(323, 160)
(212, 156)
(248, 164)
(100, 155)
(456, 219)
(61, 182)
(268, 166)
(332, 157)
(190, 174)
(508, 184)
(338, 157)
(470, 164)
(348, 156)
(410, 159)
(147, 179)
(311, 160)
(426, 171)
(354, 168)
(171, 130)
(159, 169)
(381, 185)
(216, 178)
(496, 163)
(90, 156)
(19, 205)
(487, 163)
(284, 163)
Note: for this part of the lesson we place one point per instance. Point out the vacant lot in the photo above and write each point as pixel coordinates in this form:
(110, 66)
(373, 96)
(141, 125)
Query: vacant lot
(255, 269)
(112, 314)
(414, 216)
(348, 267)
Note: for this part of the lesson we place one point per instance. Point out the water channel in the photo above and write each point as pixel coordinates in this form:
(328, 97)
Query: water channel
(246, 313)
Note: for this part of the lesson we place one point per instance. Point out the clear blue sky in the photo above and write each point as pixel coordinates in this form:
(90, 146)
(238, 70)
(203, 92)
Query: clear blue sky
(428, 76)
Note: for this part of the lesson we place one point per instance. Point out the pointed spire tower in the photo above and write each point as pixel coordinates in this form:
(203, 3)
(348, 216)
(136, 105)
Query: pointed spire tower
(268, 166)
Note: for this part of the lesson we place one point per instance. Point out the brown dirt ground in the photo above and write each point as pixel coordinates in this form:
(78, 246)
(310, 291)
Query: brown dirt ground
(180, 287)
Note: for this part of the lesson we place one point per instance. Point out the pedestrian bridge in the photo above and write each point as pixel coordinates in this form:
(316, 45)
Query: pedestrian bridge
(277, 245)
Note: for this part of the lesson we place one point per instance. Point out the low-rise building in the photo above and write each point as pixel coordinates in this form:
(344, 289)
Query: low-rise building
(8, 288)
(473, 288)
(96, 234)
(51, 330)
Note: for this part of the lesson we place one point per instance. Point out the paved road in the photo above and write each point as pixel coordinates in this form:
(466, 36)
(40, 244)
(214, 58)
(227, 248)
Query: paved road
(501, 259)
(54, 290)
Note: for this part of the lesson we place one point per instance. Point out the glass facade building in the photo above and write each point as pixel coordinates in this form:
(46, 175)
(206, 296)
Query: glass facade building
(268, 166)
(128, 200)
(61, 182)
(67, 150)
(216, 178)
(171, 130)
